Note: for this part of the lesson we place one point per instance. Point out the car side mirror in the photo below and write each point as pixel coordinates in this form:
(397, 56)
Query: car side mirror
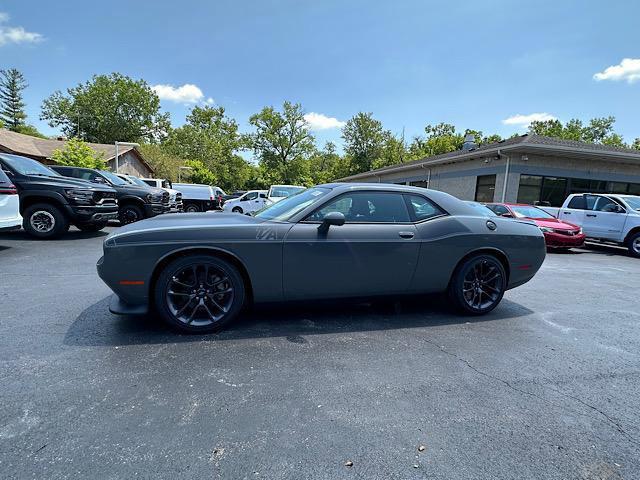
(99, 180)
(619, 209)
(507, 215)
(332, 218)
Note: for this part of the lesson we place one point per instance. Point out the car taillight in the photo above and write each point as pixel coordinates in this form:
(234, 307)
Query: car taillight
(8, 189)
(212, 198)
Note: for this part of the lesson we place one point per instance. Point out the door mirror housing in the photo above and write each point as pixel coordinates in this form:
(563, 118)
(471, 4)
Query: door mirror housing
(619, 209)
(99, 180)
(332, 218)
(506, 215)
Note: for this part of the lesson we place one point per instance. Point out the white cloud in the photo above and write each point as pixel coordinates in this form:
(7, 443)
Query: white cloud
(318, 121)
(187, 93)
(525, 120)
(15, 34)
(210, 101)
(628, 69)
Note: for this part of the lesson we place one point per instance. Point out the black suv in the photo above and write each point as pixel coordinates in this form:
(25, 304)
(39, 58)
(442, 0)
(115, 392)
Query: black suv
(134, 202)
(49, 202)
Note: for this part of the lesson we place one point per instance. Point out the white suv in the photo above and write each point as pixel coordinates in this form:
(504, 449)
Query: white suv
(250, 202)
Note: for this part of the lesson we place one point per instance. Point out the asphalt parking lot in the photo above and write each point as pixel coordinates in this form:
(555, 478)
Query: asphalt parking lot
(546, 386)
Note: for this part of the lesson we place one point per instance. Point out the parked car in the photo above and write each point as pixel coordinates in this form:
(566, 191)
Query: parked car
(231, 196)
(49, 202)
(278, 192)
(135, 202)
(175, 197)
(557, 233)
(250, 202)
(198, 197)
(10, 218)
(331, 241)
(608, 218)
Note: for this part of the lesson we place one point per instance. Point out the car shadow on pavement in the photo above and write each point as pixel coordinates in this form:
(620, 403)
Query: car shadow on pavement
(95, 326)
(72, 234)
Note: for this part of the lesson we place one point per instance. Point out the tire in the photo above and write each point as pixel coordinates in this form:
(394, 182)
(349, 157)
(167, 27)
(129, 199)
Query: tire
(130, 214)
(633, 245)
(44, 221)
(191, 208)
(477, 277)
(187, 304)
(236, 210)
(91, 227)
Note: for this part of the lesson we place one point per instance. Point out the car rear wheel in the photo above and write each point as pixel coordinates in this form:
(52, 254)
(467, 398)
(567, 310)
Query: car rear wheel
(478, 284)
(191, 208)
(236, 210)
(130, 214)
(199, 293)
(633, 244)
(44, 221)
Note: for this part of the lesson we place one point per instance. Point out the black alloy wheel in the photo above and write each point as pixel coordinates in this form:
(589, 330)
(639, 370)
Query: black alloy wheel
(478, 284)
(130, 214)
(199, 293)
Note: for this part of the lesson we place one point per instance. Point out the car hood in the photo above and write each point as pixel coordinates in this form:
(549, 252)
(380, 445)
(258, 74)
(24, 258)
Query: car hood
(185, 222)
(554, 223)
(70, 182)
(137, 190)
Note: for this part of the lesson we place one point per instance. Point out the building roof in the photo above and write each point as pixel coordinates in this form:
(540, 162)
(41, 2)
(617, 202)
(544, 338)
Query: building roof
(43, 148)
(525, 142)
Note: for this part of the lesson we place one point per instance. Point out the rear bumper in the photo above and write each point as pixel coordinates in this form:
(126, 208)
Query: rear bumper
(560, 240)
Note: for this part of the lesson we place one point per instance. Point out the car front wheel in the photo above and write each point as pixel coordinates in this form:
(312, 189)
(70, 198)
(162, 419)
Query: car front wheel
(199, 293)
(130, 214)
(633, 244)
(478, 284)
(44, 221)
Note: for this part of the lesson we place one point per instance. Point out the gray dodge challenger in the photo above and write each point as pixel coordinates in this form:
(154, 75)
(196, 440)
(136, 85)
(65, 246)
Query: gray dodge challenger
(340, 240)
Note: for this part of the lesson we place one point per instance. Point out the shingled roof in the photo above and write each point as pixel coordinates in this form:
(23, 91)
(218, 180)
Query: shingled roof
(42, 148)
(523, 142)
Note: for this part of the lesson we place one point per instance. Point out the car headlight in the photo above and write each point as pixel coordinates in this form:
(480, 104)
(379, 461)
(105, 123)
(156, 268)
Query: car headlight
(546, 229)
(79, 196)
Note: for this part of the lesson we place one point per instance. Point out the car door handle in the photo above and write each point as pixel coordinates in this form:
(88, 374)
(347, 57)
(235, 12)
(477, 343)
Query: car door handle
(591, 215)
(406, 234)
(567, 213)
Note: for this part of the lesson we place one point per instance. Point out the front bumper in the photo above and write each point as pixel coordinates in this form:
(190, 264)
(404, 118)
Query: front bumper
(120, 307)
(553, 239)
(153, 209)
(92, 213)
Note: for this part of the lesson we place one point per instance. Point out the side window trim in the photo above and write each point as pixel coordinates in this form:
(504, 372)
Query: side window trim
(334, 199)
(412, 214)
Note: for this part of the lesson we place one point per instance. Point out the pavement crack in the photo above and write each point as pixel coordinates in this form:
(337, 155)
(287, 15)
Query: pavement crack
(607, 418)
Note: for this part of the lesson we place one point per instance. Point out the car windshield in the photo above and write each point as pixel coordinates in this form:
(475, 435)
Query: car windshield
(283, 191)
(26, 166)
(522, 211)
(633, 202)
(283, 210)
(137, 181)
(113, 178)
(482, 209)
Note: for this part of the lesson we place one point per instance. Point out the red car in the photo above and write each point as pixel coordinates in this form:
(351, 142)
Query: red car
(557, 233)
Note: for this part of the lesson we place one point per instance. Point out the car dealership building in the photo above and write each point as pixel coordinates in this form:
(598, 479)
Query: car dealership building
(526, 169)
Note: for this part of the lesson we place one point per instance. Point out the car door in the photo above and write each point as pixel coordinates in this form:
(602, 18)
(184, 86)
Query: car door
(250, 202)
(604, 220)
(375, 252)
(574, 211)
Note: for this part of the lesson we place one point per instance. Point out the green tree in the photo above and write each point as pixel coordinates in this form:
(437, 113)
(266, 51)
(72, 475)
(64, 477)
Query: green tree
(164, 164)
(29, 130)
(636, 144)
(393, 152)
(364, 140)
(211, 137)
(598, 130)
(323, 164)
(200, 173)
(282, 143)
(106, 109)
(12, 84)
(77, 153)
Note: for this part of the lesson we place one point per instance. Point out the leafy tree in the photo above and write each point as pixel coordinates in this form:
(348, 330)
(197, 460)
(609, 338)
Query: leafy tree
(200, 173)
(393, 152)
(210, 137)
(598, 130)
(364, 140)
(12, 83)
(281, 142)
(323, 164)
(106, 109)
(164, 164)
(29, 130)
(636, 144)
(77, 153)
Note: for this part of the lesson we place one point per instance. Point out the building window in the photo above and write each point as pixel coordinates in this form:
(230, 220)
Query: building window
(529, 189)
(554, 191)
(485, 188)
(419, 183)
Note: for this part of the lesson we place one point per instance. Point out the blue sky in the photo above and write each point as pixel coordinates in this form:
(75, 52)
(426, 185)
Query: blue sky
(474, 64)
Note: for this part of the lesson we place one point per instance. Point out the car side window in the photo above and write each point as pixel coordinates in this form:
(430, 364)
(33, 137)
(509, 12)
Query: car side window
(251, 196)
(590, 201)
(604, 204)
(366, 207)
(423, 208)
(577, 203)
(499, 209)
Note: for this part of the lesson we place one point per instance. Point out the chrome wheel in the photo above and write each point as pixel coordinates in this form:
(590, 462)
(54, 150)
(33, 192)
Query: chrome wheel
(42, 221)
(483, 284)
(199, 295)
(636, 245)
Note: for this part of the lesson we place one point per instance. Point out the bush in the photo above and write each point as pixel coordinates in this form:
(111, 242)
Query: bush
(77, 153)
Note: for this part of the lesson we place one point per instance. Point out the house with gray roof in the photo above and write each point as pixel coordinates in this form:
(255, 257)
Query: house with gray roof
(527, 169)
(130, 160)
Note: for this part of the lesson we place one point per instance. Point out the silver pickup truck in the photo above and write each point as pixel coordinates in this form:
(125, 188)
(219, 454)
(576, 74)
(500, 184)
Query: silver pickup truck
(604, 217)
